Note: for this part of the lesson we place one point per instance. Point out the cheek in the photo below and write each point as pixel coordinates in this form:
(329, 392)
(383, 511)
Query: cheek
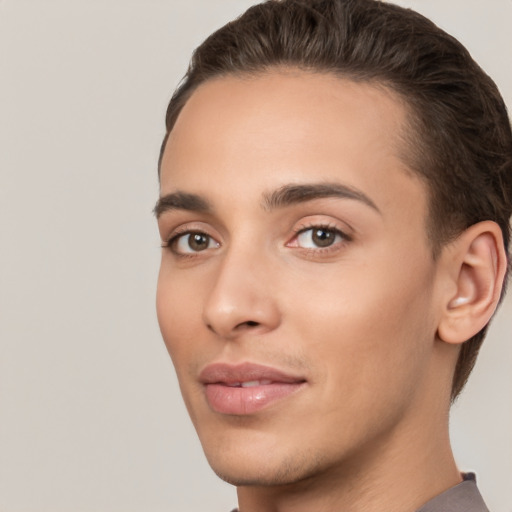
(179, 315)
(367, 325)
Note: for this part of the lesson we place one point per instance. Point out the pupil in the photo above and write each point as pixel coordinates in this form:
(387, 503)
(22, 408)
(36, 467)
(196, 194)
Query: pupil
(198, 241)
(323, 238)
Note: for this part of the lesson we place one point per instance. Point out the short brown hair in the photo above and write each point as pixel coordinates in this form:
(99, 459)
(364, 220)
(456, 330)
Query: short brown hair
(459, 140)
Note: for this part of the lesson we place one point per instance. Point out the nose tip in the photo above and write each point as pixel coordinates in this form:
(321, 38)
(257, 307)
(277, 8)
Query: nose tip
(244, 318)
(241, 302)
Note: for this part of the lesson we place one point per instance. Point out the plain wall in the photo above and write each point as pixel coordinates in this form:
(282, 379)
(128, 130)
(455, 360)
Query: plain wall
(90, 413)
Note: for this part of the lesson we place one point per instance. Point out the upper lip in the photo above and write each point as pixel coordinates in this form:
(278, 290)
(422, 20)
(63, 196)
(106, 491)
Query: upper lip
(230, 374)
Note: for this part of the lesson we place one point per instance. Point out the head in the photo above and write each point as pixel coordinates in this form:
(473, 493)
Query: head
(458, 139)
(336, 184)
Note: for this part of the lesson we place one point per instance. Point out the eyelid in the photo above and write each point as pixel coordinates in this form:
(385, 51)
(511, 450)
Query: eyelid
(178, 229)
(320, 224)
(181, 244)
(187, 229)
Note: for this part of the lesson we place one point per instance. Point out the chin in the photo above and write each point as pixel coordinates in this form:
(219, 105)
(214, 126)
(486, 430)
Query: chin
(266, 468)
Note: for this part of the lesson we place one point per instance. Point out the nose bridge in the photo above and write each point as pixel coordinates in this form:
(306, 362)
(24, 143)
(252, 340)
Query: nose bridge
(241, 295)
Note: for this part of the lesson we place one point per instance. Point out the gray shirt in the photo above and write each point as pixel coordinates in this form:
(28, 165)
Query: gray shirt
(464, 497)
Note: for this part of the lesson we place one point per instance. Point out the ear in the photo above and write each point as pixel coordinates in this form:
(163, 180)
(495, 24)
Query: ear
(476, 264)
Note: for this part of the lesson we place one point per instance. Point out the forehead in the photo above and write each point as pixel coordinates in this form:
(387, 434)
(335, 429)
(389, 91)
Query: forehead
(263, 131)
(290, 104)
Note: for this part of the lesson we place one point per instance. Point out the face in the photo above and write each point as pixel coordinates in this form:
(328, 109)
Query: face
(296, 289)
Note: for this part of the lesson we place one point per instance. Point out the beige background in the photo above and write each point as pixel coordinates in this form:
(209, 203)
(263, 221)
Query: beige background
(90, 415)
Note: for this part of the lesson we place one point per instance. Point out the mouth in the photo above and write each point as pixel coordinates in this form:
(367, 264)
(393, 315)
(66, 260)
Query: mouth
(250, 384)
(246, 388)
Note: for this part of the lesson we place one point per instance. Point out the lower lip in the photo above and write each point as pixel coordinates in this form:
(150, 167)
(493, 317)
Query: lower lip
(243, 401)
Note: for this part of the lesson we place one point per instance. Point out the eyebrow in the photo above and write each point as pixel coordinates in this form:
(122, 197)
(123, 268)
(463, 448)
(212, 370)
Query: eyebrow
(284, 196)
(293, 194)
(181, 201)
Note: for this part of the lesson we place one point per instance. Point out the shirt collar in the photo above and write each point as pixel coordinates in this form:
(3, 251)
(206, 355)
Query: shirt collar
(463, 497)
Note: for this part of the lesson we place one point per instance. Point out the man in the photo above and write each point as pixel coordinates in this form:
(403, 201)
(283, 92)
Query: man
(336, 188)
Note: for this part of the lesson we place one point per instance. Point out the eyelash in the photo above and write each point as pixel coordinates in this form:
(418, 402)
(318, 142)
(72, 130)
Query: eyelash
(326, 228)
(186, 231)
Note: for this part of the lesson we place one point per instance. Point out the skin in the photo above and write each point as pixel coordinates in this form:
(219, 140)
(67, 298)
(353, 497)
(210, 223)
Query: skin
(358, 319)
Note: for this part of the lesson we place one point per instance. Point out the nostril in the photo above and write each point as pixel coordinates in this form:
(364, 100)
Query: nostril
(249, 324)
(243, 325)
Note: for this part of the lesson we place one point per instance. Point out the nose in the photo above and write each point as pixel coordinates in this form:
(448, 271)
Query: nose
(242, 298)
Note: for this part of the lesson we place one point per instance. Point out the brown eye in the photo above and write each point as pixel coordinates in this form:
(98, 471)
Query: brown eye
(192, 242)
(319, 237)
(323, 237)
(198, 241)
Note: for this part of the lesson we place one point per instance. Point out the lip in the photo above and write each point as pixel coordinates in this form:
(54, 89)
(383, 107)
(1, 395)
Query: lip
(246, 388)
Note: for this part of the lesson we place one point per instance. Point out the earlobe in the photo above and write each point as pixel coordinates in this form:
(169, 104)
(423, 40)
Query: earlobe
(477, 268)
